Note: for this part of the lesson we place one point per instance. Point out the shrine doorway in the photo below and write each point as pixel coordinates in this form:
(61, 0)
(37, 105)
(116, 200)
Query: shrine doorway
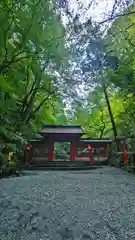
(62, 151)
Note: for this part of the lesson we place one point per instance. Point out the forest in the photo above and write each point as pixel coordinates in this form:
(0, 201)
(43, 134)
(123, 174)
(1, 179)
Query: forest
(57, 67)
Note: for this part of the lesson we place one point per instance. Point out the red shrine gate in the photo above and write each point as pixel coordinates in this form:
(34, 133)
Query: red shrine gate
(43, 149)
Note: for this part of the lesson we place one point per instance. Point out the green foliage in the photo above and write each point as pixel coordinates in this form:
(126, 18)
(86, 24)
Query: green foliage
(62, 151)
(119, 42)
(32, 58)
(32, 48)
(95, 120)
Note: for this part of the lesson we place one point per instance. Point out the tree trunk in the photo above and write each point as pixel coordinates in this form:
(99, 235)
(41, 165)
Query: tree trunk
(110, 112)
(37, 108)
(101, 132)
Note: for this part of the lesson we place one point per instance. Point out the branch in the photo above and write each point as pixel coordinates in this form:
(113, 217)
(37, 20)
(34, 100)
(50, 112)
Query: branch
(10, 10)
(38, 108)
(30, 100)
(52, 105)
(114, 8)
(14, 59)
(6, 63)
(30, 27)
(102, 117)
(102, 132)
(115, 17)
(43, 88)
(5, 40)
(130, 42)
(98, 125)
(25, 100)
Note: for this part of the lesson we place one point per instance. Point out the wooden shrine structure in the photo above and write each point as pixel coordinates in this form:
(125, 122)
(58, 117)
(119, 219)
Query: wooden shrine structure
(42, 149)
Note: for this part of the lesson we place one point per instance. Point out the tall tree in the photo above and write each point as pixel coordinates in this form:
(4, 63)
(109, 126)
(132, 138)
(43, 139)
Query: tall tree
(32, 50)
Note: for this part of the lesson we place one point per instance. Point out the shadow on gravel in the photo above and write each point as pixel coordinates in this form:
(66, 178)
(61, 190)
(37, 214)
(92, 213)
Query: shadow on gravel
(30, 173)
(83, 172)
(22, 174)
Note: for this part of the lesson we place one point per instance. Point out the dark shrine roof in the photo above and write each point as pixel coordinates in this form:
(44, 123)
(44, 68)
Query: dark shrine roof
(61, 129)
(89, 141)
(66, 133)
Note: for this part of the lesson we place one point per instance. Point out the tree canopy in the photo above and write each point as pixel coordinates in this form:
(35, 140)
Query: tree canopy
(32, 49)
(58, 67)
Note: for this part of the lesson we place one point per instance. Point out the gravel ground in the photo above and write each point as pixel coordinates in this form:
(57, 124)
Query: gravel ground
(68, 205)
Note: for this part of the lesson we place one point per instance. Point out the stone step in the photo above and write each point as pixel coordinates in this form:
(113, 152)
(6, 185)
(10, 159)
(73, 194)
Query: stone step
(61, 163)
(67, 163)
(60, 168)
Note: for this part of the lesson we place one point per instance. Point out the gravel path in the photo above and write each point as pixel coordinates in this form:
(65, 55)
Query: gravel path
(68, 205)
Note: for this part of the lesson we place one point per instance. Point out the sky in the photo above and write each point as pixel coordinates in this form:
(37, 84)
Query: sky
(97, 11)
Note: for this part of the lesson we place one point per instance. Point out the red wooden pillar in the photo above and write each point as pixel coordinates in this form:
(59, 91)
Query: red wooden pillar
(106, 150)
(26, 157)
(90, 149)
(72, 151)
(51, 151)
(125, 154)
(28, 154)
(91, 160)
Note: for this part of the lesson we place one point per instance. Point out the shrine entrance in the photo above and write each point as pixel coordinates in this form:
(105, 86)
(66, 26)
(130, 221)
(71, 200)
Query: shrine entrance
(65, 143)
(61, 151)
(44, 149)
